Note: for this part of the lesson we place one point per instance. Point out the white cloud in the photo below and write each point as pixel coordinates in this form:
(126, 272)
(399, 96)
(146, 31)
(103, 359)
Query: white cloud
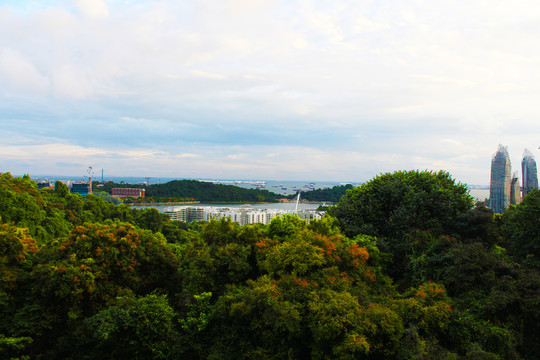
(438, 84)
(93, 8)
(207, 74)
(71, 81)
(54, 151)
(53, 22)
(236, 156)
(187, 156)
(19, 74)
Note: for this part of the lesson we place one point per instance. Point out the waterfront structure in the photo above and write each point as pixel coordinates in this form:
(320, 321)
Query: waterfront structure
(515, 191)
(501, 181)
(127, 192)
(242, 216)
(186, 213)
(529, 172)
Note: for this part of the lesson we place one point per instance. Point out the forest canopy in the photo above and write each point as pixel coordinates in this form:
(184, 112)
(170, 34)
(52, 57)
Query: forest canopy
(332, 194)
(405, 268)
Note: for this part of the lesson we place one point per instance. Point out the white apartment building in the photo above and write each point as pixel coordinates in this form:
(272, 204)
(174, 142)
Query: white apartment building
(186, 213)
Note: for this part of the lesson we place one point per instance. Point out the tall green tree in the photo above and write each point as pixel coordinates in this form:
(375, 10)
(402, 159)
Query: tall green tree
(132, 328)
(392, 205)
(521, 229)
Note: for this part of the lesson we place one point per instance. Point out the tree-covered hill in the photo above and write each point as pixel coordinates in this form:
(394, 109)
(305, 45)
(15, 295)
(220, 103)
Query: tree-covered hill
(332, 194)
(408, 269)
(200, 191)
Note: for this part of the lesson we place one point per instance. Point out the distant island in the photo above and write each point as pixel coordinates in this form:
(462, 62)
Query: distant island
(190, 191)
(332, 194)
(193, 191)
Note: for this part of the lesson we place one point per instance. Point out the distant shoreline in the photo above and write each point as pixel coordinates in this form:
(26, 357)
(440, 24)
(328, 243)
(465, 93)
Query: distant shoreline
(222, 202)
(161, 203)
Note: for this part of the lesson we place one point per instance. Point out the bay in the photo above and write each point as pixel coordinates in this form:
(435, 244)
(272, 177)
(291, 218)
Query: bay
(263, 206)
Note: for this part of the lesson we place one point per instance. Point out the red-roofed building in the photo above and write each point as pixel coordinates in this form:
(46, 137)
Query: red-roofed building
(127, 192)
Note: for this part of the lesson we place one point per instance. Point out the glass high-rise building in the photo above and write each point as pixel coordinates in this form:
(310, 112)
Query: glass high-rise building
(501, 180)
(529, 172)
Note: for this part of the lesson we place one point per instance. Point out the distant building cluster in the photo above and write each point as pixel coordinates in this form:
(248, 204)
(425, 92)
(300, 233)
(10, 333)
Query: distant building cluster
(243, 216)
(504, 186)
(42, 184)
(78, 187)
(85, 187)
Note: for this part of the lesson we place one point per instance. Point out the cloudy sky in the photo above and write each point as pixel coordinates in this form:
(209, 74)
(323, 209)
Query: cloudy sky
(287, 90)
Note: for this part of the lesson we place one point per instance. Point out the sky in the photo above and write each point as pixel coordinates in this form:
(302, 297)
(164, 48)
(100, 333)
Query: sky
(258, 89)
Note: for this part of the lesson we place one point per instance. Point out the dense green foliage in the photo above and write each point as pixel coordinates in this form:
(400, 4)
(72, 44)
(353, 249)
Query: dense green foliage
(198, 190)
(521, 228)
(332, 194)
(81, 278)
(390, 206)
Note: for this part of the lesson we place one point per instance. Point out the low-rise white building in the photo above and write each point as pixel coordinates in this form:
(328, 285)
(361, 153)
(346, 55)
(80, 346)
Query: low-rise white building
(186, 213)
(243, 216)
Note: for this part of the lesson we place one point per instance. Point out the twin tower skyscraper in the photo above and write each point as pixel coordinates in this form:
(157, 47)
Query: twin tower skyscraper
(504, 188)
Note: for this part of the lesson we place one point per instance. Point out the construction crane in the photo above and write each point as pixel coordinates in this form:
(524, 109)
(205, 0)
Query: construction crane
(90, 173)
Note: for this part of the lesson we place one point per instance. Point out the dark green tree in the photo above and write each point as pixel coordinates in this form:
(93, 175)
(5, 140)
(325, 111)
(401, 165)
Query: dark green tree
(521, 230)
(131, 328)
(61, 189)
(392, 205)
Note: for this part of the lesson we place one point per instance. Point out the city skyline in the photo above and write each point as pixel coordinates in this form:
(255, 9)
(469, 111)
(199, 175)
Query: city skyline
(505, 188)
(285, 90)
(500, 188)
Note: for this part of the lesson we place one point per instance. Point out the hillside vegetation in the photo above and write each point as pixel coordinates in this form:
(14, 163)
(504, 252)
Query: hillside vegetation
(405, 268)
(198, 190)
(332, 194)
